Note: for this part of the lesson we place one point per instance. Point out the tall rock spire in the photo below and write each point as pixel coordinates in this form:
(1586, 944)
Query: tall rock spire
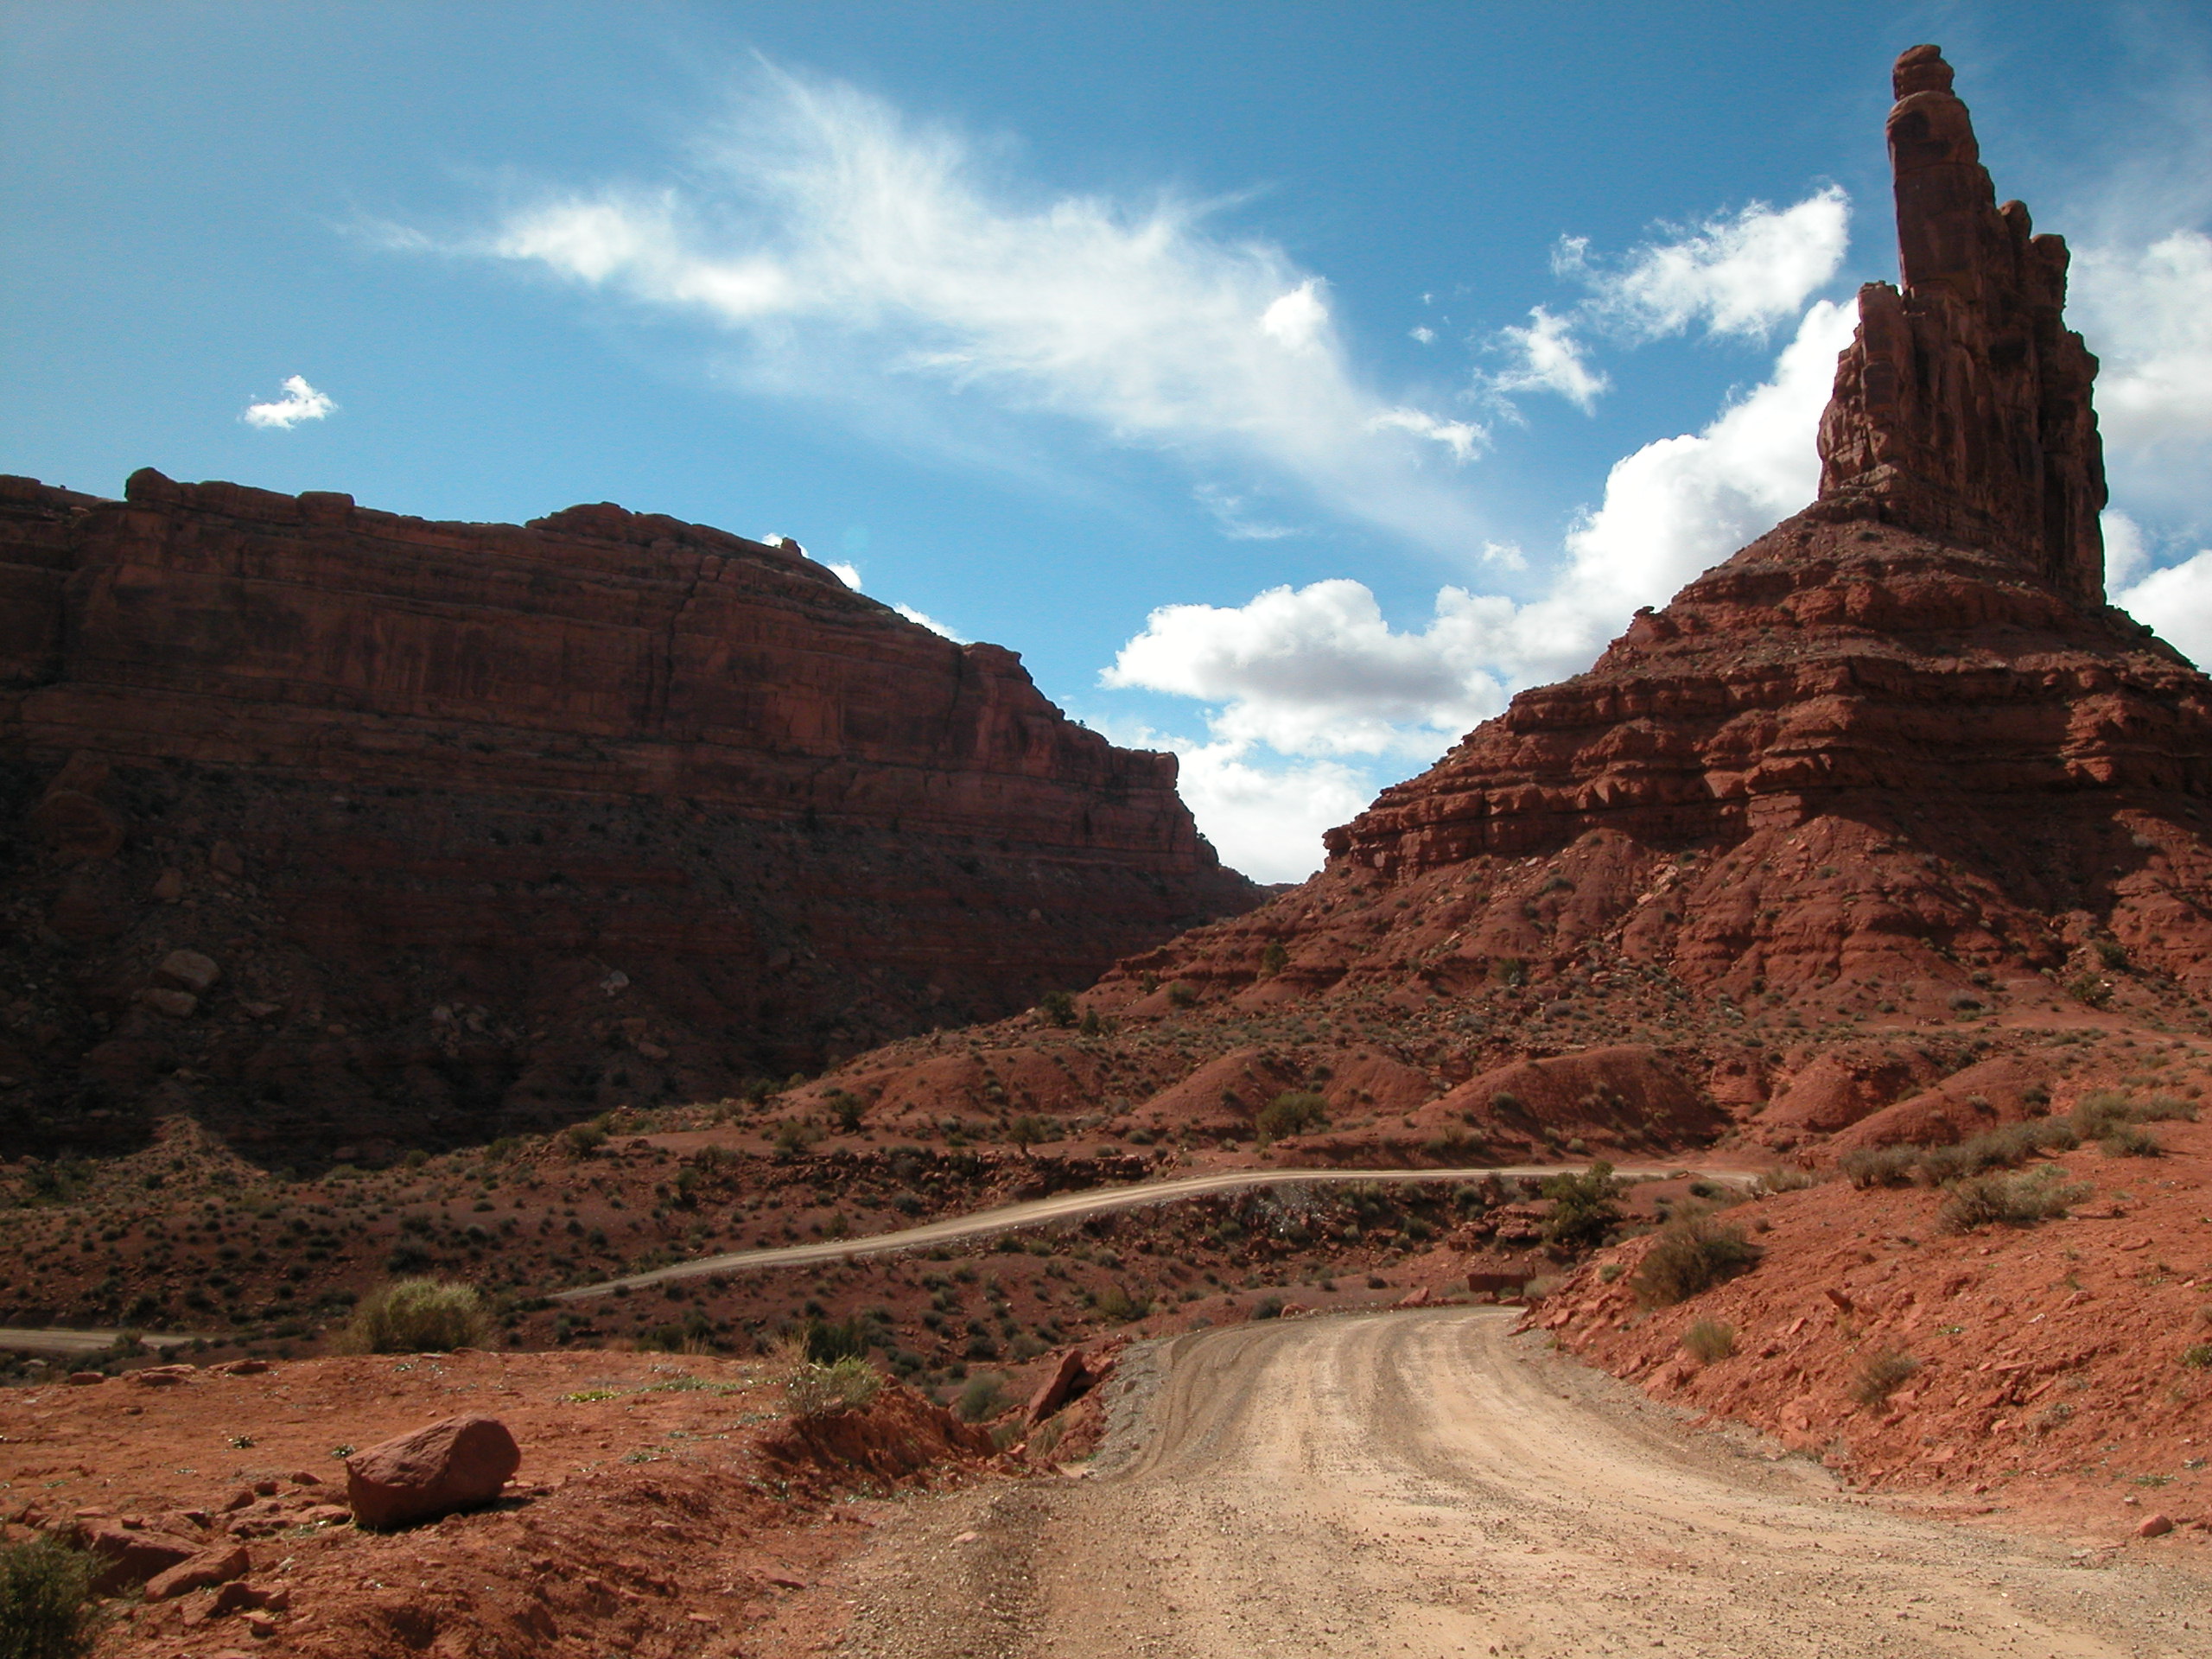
(1961, 408)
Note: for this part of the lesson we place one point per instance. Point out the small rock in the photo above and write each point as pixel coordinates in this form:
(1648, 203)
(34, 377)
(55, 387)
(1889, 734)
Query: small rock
(178, 1005)
(197, 1572)
(2155, 1526)
(457, 1464)
(189, 971)
(86, 1379)
(243, 1368)
(169, 887)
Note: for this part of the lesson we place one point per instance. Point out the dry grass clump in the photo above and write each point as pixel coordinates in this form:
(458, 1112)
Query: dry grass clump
(1692, 1256)
(814, 1388)
(2016, 1200)
(416, 1316)
(1708, 1341)
(1879, 1376)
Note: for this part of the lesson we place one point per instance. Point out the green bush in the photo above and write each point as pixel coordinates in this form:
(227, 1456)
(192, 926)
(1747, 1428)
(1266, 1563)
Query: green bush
(1709, 1340)
(814, 1390)
(1691, 1255)
(584, 1139)
(1879, 1375)
(47, 1610)
(1058, 1008)
(2016, 1200)
(2197, 1355)
(826, 1343)
(2129, 1141)
(1182, 993)
(1585, 1207)
(1293, 1112)
(1869, 1166)
(1274, 959)
(416, 1316)
(984, 1398)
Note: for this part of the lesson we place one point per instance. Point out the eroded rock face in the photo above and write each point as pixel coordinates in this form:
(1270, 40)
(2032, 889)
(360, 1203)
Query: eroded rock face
(1922, 664)
(461, 829)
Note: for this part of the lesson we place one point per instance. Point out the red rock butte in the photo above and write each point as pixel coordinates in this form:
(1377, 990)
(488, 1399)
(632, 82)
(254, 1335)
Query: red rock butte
(480, 825)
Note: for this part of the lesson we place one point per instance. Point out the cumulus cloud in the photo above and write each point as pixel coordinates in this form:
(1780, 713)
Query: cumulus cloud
(1318, 674)
(2176, 602)
(301, 402)
(1317, 670)
(929, 622)
(851, 253)
(2146, 311)
(1738, 275)
(849, 574)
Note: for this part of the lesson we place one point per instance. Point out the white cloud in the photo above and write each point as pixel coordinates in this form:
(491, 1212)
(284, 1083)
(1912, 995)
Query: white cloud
(848, 573)
(2177, 602)
(1546, 357)
(1317, 670)
(1317, 674)
(853, 255)
(2146, 312)
(1425, 336)
(1737, 276)
(1230, 511)
(929, 622)
(2127, 549)
(301, 402)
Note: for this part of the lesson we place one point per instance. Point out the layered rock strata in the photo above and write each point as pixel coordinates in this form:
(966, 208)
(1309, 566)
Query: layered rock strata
(477, 826)
(1890, 795)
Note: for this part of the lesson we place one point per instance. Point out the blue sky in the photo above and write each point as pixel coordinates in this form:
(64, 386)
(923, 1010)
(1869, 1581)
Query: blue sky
(1288, 383)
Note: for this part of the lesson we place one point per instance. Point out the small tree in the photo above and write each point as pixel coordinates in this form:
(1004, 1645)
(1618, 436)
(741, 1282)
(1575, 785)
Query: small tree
(1058, 1008)
(1274, 959)
(1293, 1112)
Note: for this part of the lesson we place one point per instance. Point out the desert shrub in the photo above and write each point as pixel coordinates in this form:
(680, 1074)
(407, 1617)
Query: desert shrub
(1116, 1304)
(849, 1111)
(1057, 1008)
(1293, 1112)
(1709, 1340)
(1869, 1166)
(1274, 959)
(1879, 1375)
(827, 1342)
(1182, 993)
(983, 1397)
(47, 1609)
(2197, 1355)
(2126, 1140)
(1690, 1256)
(583, 1139)
(1028, 1129)
(1785, 1177)
(1267, 1307)
(1584, 1207)
(416, 1316)
(815, 1391)
(2016, 1200)
(692, 1334)
(792, 1137)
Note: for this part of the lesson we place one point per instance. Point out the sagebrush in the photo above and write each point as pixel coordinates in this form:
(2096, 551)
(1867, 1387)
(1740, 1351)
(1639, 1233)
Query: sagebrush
(1691, 1255)
(47, 1610)
(416, 1316)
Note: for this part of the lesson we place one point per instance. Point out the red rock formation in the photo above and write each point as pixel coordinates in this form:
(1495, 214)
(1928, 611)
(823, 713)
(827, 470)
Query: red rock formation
(1896, 765)
(479, 825)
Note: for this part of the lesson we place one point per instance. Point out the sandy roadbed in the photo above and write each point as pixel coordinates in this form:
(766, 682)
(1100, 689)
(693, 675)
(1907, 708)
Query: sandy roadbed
(1426, 1483)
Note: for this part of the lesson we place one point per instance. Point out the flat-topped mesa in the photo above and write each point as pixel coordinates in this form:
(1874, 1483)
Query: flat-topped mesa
(1961, 409)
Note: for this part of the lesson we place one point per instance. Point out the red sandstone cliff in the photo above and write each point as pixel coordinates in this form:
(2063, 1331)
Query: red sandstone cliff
(485, 825)
(1890, 792)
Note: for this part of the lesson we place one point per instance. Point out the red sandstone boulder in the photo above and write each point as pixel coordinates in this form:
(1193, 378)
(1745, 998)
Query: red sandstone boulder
(129, 1555)
(458, 1463)
(201, 1569)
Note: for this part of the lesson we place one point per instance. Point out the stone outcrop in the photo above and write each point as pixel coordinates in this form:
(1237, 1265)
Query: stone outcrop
(346, 830)
(1961, 409)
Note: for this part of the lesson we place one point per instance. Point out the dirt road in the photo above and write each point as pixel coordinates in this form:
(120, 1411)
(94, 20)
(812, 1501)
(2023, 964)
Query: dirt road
(1426, 1483)
(1073, 1206)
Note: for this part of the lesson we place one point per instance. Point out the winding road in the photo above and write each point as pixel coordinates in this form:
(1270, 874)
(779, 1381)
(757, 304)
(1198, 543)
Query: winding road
(1428, 1484)
(1074, 1206)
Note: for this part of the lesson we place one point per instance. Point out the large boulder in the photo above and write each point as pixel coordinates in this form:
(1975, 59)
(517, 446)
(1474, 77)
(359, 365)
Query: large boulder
(458, 1463)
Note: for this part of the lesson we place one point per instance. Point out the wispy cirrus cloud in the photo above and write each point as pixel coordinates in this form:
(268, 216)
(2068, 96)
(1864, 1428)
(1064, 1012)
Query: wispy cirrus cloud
(852, 252)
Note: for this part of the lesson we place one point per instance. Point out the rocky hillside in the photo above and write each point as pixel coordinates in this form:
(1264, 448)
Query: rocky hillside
(343, 831)
(1890, 794)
